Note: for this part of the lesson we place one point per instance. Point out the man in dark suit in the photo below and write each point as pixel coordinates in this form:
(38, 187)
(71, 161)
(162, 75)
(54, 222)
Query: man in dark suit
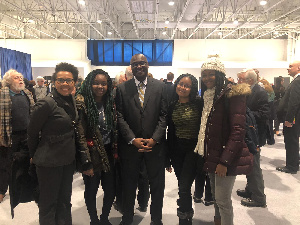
(289, 110)
(257, 102)
(141, 107)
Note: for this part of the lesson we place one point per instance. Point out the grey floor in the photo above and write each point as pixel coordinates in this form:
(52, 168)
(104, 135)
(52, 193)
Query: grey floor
(282, 191)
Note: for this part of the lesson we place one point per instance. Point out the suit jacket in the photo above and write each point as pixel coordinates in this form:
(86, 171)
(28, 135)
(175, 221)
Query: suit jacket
(289, 105)
(135, 121)
(258, 104)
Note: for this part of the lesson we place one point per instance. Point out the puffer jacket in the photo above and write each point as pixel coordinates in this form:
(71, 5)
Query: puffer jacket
(225, 131)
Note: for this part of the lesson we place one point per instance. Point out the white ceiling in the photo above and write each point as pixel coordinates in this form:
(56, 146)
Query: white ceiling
(142, 19)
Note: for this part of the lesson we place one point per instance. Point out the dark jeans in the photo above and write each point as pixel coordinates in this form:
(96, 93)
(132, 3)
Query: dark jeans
(201, 180)
(109, 188)
(181, 149)
(291, 141)
(192, 165)
(55, 185)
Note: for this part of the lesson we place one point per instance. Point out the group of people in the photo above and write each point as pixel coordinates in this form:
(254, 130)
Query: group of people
(102, 128)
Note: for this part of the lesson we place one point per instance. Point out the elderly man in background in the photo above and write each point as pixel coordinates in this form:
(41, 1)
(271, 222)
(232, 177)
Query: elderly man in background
(40, 90)
(16, 103)
(128, 73)
(257, 102)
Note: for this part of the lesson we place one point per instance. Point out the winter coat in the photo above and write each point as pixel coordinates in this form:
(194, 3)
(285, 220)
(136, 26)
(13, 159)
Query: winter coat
(91, 142)
(225, 132)
(51, 136)
(5, 115)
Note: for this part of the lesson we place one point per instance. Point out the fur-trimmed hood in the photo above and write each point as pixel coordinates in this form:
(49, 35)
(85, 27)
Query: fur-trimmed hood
(239, 89)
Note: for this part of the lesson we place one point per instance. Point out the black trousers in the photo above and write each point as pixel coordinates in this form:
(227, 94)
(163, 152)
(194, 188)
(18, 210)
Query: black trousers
(143, 186)
(108, 183)
(291, 140)
(192, 165)
(55, 185)
(181, 149)
(202, 180)
(131, 160)
(5, 168)
(6, 155)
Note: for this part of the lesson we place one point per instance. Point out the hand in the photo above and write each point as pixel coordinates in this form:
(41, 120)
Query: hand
(169, 169)
(31, 161)
(221, 170)
(288, 124)
(138, 142)
(147, 146)
(89, 172)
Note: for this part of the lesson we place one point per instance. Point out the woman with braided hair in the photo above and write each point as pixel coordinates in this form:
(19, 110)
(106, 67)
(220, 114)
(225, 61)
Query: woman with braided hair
(97, 132)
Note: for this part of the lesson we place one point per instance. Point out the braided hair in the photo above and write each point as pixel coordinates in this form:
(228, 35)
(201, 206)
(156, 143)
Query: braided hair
(221, 83)
(89, 100)
(194, 88)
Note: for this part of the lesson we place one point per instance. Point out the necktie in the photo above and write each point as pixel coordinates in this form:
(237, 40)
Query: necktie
(141, 93)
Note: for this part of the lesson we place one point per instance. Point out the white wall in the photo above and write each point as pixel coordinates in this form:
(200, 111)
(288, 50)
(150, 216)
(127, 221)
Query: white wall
(269, 56)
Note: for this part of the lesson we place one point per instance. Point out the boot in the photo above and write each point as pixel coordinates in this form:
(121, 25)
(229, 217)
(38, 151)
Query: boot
(217, 221)
(185, 218)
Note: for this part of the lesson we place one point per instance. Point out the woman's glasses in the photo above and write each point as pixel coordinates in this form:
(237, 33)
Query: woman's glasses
(61, 81)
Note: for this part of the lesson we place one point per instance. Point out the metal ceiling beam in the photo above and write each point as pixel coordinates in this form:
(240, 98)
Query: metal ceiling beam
(214, 7)
(155, 18)
(228, 18)
(132, 19)
(11, 5)
(180, 18)
(55, 13)
(277, 18)
(85, 19)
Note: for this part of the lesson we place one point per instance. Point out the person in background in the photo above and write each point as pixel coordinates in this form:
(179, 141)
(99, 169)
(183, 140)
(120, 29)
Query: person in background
(271, 97)
(221, 136)
(41, 91)
(78, 83)
(128, 73)
(97, 129)
(230, 80)
(289, 111)
(279, 90)
(120, 78)
(170, 87)
(51, 142)
(184, 115)
(257, 102)
(16, 104)
(29, 85)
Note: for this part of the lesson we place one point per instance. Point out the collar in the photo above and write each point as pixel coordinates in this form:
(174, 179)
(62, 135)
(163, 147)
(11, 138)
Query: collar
(11, 93)
(296, 76)
(138, 82)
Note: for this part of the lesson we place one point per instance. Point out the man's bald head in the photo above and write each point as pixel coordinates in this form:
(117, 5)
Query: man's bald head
(294, 68)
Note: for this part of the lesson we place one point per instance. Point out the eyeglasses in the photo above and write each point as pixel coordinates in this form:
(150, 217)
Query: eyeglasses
(136, 64)
(61, 81)
(184, 85)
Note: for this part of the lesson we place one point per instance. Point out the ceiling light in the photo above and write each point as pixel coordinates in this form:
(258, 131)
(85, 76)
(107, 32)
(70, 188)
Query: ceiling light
(99, 21)
(167, 21)
(276, 32)
(171, 3)
(263, 2)
(219, 33)
(235, 22)
(164, 33)
(30, 21)
(109, 33)
(81, 2)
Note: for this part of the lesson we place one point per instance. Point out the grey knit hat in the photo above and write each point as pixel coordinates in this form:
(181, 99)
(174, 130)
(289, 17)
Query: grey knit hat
(213, 63)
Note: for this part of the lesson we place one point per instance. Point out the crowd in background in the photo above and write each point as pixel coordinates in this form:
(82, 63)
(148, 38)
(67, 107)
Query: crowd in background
(114, 133)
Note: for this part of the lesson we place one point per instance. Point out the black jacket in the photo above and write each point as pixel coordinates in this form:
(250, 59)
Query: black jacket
(258, 104)
(51, 137)
(289, 105)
